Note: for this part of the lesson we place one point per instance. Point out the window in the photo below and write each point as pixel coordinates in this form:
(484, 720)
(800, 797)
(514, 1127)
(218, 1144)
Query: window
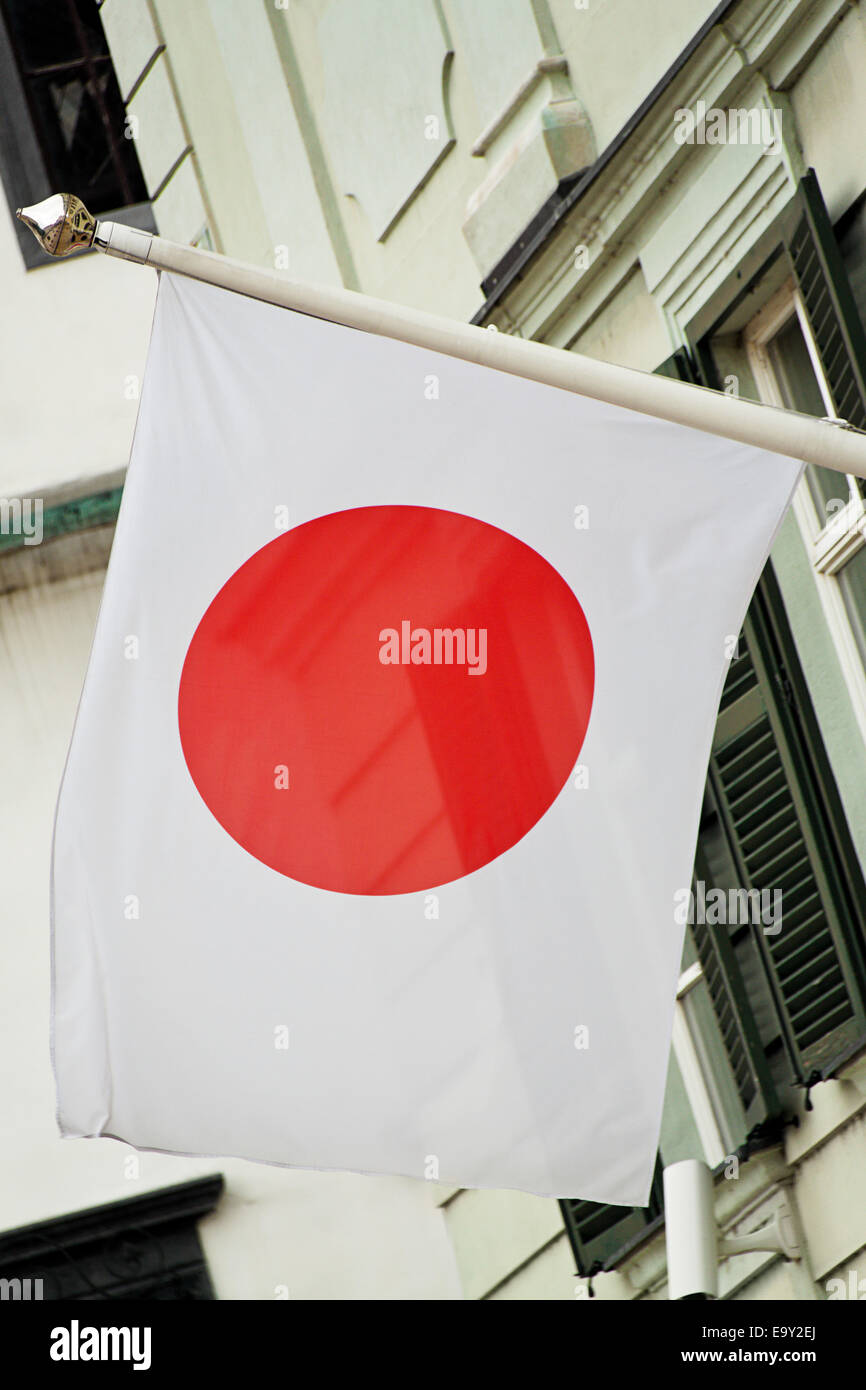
(830, 507)
(144, 1248)
(799, 388)
(808, 352)
(790, 1005)
(789, 991)
(62, 119)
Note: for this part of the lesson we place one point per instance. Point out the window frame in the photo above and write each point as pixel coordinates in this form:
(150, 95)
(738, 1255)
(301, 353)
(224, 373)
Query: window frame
(830, 544)
(706, 1105)
(23, 172)
(144, 1247)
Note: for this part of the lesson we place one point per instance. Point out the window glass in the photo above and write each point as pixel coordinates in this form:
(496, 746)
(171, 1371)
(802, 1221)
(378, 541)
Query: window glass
(74, 104)
(800, 391)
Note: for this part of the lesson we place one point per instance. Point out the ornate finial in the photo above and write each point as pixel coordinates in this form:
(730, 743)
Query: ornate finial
(60, 224)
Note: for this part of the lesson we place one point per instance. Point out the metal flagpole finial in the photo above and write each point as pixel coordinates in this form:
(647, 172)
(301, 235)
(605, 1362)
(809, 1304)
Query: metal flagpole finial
(60, 224)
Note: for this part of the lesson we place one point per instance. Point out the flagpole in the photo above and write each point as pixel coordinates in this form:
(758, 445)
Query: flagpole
(62, 224)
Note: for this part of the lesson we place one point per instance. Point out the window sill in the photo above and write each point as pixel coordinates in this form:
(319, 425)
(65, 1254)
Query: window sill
(834, 1108)
(841, 539)
(850, 1065)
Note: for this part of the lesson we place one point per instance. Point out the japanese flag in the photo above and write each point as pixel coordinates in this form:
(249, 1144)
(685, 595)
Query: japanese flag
(388, 766)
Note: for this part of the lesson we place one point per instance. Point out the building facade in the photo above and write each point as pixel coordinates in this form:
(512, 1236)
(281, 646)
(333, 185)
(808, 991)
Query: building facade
(671, 185)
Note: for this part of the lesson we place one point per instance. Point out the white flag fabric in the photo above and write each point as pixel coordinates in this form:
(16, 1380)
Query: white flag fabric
(389, 761)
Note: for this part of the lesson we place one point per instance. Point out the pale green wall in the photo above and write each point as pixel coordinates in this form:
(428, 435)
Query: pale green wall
(646, 37)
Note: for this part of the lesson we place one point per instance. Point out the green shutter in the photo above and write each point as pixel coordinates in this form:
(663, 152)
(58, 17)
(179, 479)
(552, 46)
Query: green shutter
(744, 1046)
(598, 1232)
(719, 966)
(720, 954)
(762, 776)
(826, 293)
(771, 786)
(786, 1003)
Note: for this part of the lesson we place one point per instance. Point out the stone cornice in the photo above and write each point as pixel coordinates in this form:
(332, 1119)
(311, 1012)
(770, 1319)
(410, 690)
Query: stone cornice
(760, 48)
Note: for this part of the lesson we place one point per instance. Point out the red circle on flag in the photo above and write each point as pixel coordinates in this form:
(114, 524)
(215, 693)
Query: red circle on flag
(385, 699)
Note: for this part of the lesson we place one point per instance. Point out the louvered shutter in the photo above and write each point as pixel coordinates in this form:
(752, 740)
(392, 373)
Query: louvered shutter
(762, 777)
(829, 303)
(598, 1232)
(772, 781)
(738, 1025)
(718, 966)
